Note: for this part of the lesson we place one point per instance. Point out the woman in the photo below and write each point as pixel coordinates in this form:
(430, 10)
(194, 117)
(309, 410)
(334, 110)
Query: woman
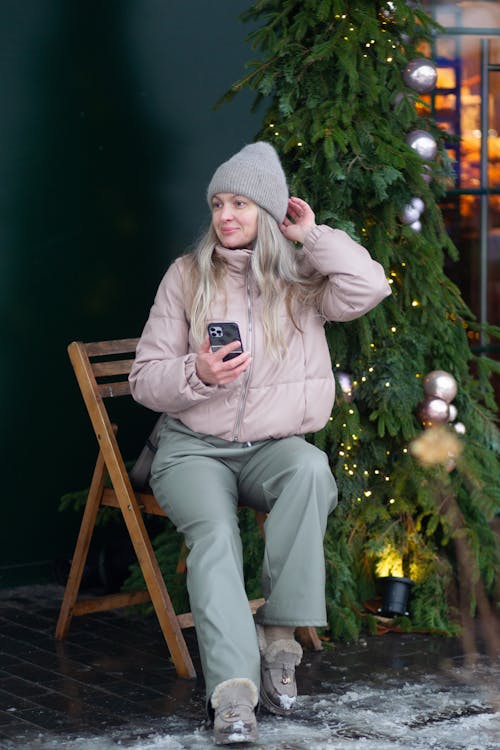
(235, 426)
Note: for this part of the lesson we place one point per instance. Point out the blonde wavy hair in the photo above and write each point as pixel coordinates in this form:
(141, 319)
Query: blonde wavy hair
(276, 268)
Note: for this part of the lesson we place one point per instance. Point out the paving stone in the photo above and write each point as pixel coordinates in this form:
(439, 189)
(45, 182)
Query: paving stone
(111, 684)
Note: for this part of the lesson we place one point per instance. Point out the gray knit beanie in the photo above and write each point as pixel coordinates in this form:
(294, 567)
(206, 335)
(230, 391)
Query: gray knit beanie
(256, 173)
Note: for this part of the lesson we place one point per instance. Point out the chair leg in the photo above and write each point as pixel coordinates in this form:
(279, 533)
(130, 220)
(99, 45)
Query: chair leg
(308, 637)
(157, 590)
(81, 549)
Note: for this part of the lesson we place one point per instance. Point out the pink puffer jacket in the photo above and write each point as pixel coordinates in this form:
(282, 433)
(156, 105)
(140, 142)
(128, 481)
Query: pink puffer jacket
(274, 398)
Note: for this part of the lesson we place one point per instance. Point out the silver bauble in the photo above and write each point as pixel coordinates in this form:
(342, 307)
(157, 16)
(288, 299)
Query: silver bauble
(433, 411)
(418, 204)
(420, 75)
(346, 385)
(423, 143)
(416, 226)
(396, 99)
(453, 413)
(460, 428)
(426, 174)
(388, 10)
(440, 384)
(409, 214)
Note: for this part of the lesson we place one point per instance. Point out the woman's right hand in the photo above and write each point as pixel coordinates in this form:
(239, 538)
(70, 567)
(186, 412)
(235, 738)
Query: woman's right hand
(211, 369)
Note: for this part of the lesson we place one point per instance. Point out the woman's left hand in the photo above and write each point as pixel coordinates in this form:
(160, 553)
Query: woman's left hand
(301, 220)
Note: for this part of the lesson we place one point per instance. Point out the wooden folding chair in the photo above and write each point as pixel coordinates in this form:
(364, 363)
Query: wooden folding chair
(102, 369)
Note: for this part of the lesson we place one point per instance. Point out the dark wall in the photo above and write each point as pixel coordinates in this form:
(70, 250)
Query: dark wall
(107, 142)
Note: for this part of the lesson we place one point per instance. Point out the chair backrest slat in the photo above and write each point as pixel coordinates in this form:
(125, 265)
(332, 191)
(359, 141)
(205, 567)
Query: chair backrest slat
(108, 364)
(117, 388)
(111, 368)
(105, 348)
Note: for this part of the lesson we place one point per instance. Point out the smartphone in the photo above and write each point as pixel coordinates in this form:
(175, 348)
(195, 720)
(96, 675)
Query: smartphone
(221, 334)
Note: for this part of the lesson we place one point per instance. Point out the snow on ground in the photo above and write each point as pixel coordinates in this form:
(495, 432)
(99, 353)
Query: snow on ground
(461, 713)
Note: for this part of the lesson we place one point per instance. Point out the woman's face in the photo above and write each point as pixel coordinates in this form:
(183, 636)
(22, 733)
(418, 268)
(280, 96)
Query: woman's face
(234, 219)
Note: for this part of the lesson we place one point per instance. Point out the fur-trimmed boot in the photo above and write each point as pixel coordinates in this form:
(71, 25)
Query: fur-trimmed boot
(234, 703)
(278, 659)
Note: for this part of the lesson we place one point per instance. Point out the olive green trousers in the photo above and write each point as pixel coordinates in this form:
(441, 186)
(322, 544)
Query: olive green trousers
(199, 481)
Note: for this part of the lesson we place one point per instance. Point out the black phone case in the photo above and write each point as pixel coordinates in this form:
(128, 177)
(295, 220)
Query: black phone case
(221, 334)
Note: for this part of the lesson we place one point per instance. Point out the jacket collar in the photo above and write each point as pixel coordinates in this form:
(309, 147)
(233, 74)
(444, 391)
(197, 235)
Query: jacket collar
(237, 260)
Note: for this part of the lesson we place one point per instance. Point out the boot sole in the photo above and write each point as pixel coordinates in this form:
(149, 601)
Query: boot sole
(237, 739)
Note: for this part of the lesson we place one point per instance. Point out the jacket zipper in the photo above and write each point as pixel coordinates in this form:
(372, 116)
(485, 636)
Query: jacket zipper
(246, 376)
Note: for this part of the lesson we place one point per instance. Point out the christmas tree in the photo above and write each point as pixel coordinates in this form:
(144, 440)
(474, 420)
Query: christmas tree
(343, 88)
